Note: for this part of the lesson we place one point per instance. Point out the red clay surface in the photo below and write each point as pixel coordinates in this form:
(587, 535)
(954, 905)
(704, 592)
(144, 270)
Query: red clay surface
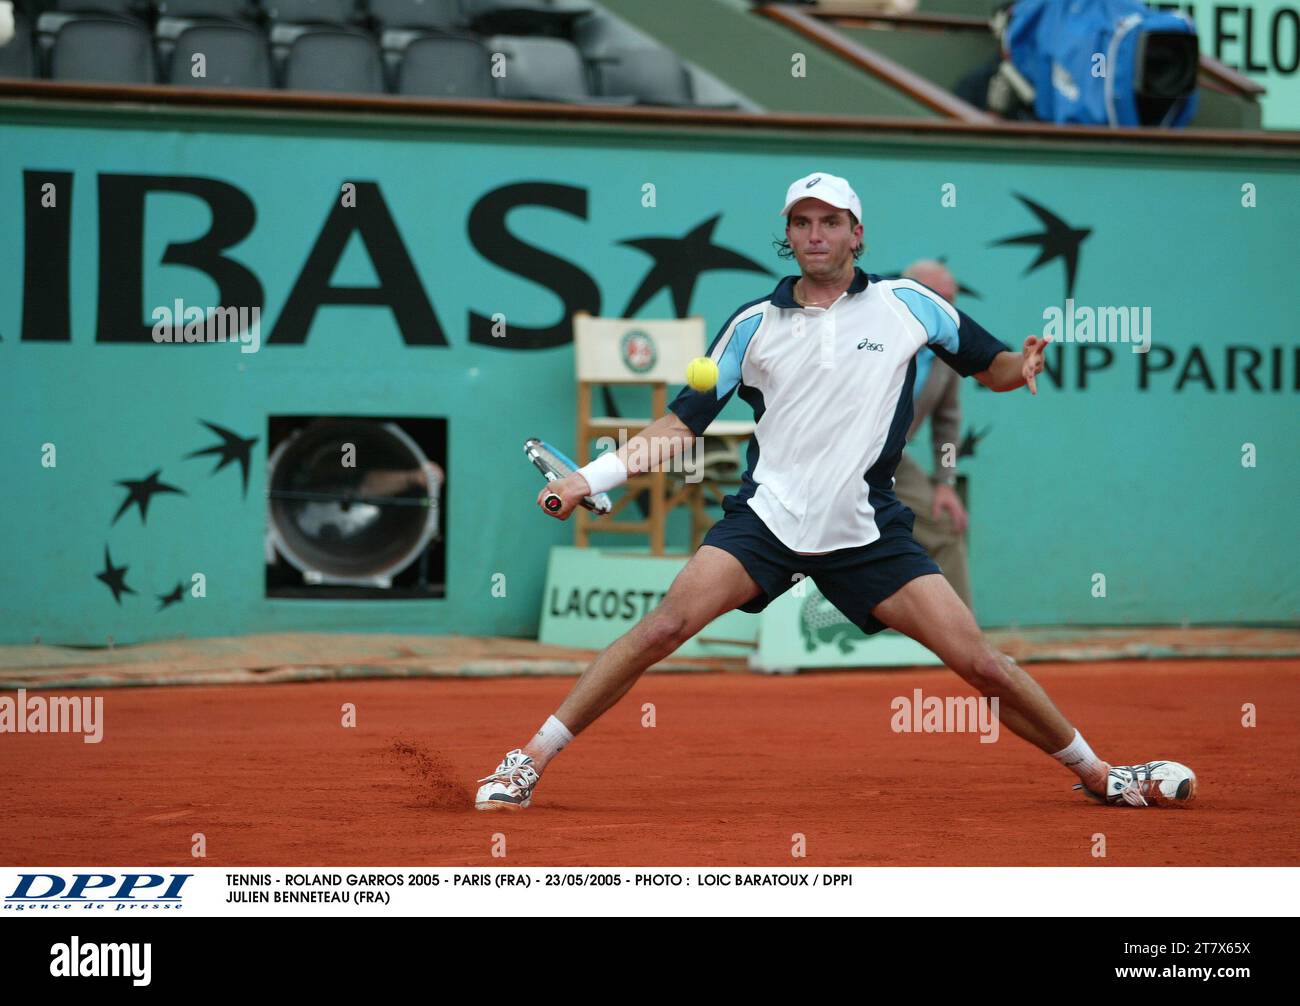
(736, 765)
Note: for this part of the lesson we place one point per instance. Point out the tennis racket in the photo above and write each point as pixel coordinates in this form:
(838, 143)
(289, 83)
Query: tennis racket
(555, 465)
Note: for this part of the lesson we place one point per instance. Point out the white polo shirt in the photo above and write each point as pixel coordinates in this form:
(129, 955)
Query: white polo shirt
(831, 390)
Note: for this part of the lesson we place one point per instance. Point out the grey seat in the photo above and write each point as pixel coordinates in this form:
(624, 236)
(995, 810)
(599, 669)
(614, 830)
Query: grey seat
(130, 8)
(235, 56)
(545, 69)
(435, 66)
(229, 9)
(168, 28)
(333, 59)
(57, 13)
(438, 14)
(522, 17)
(600, 32)
(104, 50)
(311, 11)
(604, 39)
(17, 57)
(652, 76)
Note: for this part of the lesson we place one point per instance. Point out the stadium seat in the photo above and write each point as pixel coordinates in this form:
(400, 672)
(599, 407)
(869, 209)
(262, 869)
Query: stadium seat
(435, 66)
(331, 59)
(652, 76)
(235, 56)
(168, 29)
(710, 92)
(311, 11)
(131, 8)
(654, 79)
(229, 9)
(546, 69)
(438, 14)
(600, 32)
(17, 57)
(521, 17)
(103, 50)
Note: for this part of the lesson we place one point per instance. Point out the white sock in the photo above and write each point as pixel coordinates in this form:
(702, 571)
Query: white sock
(1080, 759)
(548, 742)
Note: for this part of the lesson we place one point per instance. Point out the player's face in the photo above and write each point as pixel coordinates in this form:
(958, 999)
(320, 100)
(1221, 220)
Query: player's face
(822, 238)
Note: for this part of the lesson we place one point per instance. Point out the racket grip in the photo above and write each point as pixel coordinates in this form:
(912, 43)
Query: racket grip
(552, 503)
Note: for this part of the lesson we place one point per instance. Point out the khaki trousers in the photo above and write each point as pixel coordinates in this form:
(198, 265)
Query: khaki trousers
(946, 547)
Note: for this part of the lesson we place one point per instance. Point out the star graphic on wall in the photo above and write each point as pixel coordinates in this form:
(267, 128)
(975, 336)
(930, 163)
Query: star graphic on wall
(232, 448)
(140, 491)
(966, 449)
(1057, 240)
(678, 264)
(962, 289)
(169, 599)
(114, 577)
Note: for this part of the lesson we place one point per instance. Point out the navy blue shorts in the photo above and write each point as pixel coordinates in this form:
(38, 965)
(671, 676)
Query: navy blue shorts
(855, 580)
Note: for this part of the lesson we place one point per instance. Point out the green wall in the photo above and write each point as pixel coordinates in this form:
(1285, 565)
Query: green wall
(1145, 486)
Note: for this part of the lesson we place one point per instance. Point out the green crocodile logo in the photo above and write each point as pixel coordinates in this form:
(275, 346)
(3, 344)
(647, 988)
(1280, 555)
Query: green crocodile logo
(822, 624)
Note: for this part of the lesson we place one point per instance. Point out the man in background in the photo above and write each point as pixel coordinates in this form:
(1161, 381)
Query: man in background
(940, 516)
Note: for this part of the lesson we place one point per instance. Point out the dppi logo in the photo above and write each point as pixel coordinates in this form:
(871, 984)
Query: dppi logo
(94, 891)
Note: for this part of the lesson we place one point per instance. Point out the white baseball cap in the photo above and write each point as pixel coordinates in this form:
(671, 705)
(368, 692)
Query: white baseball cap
(830, 189)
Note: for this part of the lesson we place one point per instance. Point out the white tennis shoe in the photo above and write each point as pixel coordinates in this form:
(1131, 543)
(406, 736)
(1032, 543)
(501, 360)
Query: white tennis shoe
(1153, 784)
(510, 787)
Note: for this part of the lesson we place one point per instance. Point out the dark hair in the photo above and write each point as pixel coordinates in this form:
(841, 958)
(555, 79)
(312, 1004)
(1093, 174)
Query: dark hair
(783, 249)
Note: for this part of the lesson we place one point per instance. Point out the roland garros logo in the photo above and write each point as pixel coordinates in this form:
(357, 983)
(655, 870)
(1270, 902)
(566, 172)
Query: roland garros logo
(638, 351)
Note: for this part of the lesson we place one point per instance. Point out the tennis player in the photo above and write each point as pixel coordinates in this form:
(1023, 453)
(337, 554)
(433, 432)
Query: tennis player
(827, 361)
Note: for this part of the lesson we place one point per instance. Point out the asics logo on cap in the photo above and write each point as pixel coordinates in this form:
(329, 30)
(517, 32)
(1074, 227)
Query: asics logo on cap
(834, 190)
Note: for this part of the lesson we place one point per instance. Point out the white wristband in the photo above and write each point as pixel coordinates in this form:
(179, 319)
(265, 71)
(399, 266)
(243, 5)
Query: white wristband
(606, 472)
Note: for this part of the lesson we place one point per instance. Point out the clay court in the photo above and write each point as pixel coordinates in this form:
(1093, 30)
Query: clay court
(735, 766)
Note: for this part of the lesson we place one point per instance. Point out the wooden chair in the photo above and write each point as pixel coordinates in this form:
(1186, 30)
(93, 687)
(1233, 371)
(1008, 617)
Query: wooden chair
(654, 354)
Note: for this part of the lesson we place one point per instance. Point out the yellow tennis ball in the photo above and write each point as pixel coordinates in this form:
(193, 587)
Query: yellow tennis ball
(702, 373)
